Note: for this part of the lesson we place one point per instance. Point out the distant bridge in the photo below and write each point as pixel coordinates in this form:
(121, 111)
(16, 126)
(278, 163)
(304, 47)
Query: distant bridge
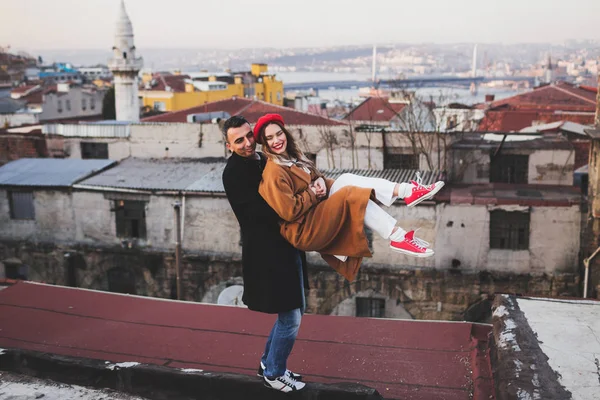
(415, 82)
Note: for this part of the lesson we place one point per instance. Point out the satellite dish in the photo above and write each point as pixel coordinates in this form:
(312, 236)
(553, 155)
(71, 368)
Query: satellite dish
(232, 296)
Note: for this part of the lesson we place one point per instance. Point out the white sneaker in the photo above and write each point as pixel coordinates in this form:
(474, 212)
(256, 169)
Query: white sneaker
(284, 384)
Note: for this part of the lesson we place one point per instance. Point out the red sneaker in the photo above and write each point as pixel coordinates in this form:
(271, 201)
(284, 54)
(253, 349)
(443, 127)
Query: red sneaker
(411, 245)
(422, 192)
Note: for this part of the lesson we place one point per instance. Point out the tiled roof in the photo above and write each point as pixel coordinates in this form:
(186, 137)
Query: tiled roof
(23, 89)
(394, 175)
(252, 110)
(175, 83)
(515, 120)
(559, 96)
(36, 97)
(376, 109)
(162, 174)
(45, 172)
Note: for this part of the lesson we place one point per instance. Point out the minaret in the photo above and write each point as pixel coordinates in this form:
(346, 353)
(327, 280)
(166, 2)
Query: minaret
(374, 65)
(549, 72)
(125, 67)
(474, 63)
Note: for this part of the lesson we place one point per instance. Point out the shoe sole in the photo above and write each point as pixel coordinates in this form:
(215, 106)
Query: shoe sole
(427, 196)
(410, 253)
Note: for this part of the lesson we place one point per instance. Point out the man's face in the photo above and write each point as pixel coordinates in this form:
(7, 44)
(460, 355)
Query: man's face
(241, 141)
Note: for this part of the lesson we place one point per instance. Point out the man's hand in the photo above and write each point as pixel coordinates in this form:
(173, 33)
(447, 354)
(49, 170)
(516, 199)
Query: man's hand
(321, 188)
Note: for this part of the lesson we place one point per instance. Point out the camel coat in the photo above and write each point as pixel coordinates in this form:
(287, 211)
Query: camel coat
(331, 226)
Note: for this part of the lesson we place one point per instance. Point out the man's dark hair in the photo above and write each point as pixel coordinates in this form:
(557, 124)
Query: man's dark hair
(234, 122)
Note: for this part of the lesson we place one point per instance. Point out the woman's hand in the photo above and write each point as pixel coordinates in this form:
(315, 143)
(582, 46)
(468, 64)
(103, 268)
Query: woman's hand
(321, 188)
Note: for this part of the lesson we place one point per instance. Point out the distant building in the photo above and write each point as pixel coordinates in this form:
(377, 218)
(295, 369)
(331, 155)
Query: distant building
(166, 91)
(92, 73)
(559, 101)
(68, 101)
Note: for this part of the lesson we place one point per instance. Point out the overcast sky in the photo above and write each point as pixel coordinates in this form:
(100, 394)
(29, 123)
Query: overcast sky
(68, 24)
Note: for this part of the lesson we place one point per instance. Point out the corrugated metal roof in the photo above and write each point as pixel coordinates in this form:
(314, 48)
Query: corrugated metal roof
(45, 172)
(203, 174)
(394, 175)
(113, 129)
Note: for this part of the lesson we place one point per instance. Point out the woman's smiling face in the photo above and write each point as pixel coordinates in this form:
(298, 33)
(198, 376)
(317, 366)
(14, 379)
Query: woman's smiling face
(276, 139)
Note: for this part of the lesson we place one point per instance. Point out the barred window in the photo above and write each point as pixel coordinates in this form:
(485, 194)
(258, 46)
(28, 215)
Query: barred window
(509, 230)
(21, 205)
(370, 307)
(131, 218)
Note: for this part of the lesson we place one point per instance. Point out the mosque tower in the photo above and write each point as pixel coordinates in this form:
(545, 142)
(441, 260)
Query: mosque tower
(125, 66)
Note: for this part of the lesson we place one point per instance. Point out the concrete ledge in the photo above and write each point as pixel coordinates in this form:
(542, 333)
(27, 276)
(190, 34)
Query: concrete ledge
(164, 383)
(520, 367)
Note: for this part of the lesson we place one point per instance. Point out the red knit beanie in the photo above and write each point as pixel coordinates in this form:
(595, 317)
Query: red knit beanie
(264, 121)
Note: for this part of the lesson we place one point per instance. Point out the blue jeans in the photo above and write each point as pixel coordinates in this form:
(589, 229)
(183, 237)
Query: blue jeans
(283, 336)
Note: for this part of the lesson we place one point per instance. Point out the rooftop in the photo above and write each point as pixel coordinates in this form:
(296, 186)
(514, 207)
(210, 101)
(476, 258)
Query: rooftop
(204, 175)
(375, 109)
(402, 359)
(251, 109)
(550, 347)
(550, 103)
(49, 172)
(190, 175)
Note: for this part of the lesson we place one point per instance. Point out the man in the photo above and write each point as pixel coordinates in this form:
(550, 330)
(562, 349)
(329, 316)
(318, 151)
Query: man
(274, 272)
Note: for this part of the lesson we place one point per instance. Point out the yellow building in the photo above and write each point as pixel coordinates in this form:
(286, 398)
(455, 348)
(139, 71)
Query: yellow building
(174, 92)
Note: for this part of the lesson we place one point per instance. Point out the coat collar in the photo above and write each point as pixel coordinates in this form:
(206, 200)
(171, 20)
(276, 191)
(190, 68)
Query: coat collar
(300, 173)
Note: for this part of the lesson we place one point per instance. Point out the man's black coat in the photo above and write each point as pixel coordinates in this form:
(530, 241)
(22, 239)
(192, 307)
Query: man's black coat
(269, 262)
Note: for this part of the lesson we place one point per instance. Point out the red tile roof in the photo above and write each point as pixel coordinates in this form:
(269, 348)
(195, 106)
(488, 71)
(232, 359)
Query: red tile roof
(36, 97)
(556, 102)
(176, 83)
(23, 89)
(376, 109)
(402, 359)
(252, 110)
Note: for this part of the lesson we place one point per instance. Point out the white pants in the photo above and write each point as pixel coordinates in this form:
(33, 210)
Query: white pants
(375, 217)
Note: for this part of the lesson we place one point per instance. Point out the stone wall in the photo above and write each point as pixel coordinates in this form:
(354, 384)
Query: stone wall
(422, 293)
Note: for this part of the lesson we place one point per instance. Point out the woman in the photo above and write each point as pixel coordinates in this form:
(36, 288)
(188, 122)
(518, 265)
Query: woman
(329, 216)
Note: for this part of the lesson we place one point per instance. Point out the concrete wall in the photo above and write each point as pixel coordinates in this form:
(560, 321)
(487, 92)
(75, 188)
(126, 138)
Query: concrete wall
(551, 167)
(18, 119)
(118, 149)
(54, 218)
(456, 232)
(546, 167)
(463, 234)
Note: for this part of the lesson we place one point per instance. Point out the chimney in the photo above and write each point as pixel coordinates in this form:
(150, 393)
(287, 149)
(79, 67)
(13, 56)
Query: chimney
(489, 98)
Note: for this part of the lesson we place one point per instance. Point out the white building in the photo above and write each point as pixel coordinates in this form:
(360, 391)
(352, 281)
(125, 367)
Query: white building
(125, 67)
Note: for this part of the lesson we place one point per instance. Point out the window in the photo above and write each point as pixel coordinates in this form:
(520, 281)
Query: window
(278, 96)
(509, 168)
(68, 104)
(369, 307)
(90, 150)
(131, 218)
(509, 230)
(401, 161)
(92, 103)
(121, 280)
(21, 205)
(160, 106)
(59, 106)
(84, 104)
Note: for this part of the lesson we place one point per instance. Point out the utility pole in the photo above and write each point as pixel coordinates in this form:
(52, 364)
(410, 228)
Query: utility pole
(592, 272)
(177, 207)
